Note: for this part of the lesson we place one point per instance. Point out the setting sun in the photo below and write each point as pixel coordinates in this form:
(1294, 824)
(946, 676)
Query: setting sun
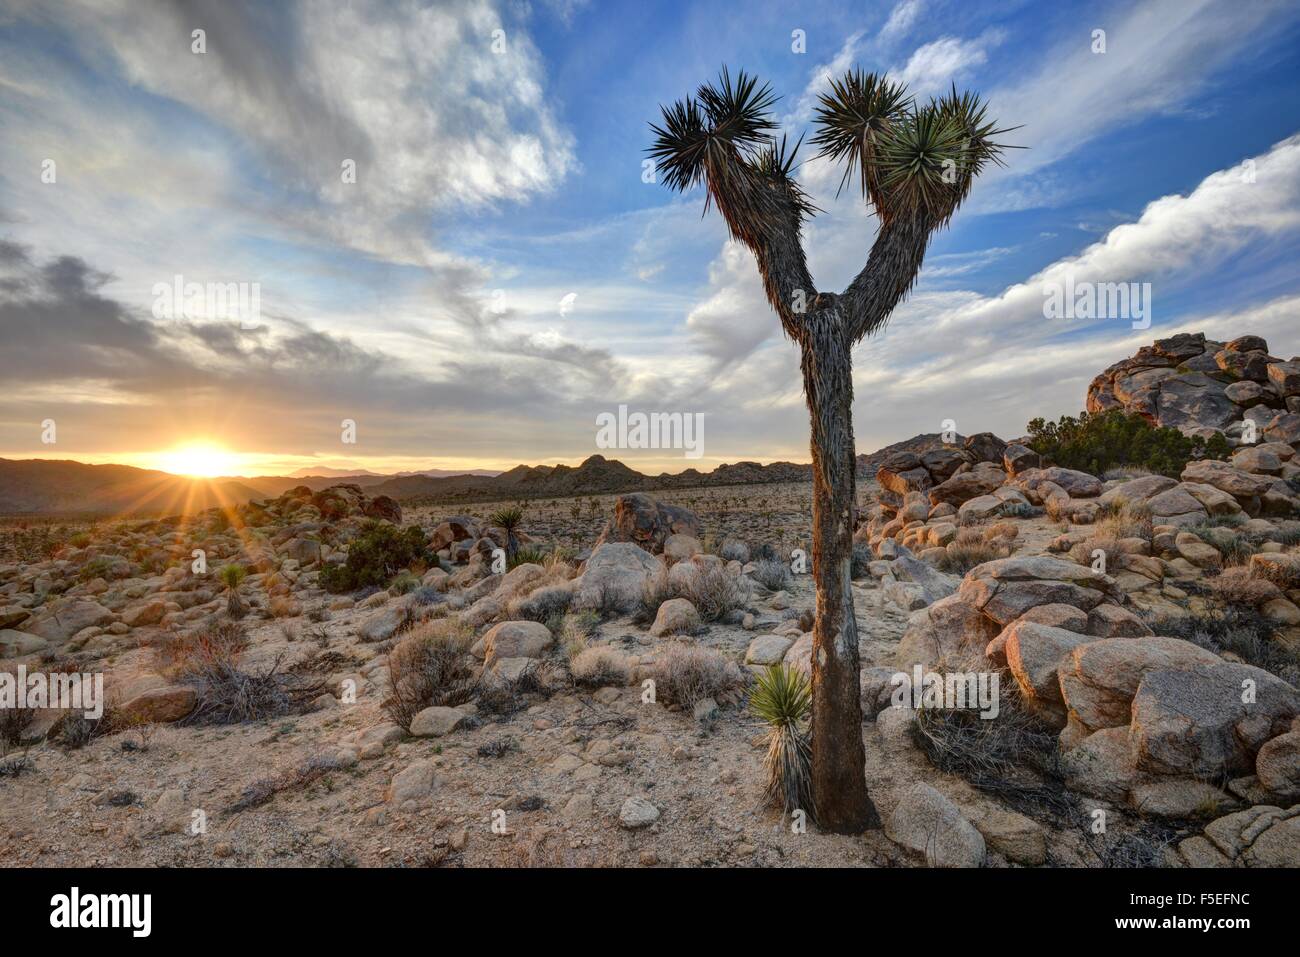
(198, 459)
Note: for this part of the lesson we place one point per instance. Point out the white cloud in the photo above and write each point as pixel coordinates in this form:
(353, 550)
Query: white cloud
(1158, 56)
(900, 19)
(933, 66)
(414, 94)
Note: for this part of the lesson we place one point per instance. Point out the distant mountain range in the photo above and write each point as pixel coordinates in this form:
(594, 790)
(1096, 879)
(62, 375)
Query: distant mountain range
(63, 487)
(322, 472)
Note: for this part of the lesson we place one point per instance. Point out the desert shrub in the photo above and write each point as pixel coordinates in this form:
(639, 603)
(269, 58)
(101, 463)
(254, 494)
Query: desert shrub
(960, 557)
(1235, 630)
(14, 725)
(543, 604)
(426, 596)
(657, 590)
(1125, 472)
(771, 573)
(80, 540)
(209, 661)
(429, 667)
(528, 555)
(1102, 441)
(600, 665)
(1237, 586)
(1012, 757)
(685, 675)
(1235, 547)
(264, 789)
(77, 731)
(1288, 533)
(783, 697)
(1124, 519)
(715, 592)
(1281, 570)
(1142, 848)
(218, 644)
(95, 568)
(576, 629)
(497, 696)
(376, 556)
(733, 550)
(404, 584)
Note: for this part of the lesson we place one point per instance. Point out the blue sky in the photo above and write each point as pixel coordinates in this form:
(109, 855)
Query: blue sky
(423, 301)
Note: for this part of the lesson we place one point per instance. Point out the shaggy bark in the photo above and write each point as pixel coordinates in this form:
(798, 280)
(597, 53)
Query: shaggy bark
(839, 786)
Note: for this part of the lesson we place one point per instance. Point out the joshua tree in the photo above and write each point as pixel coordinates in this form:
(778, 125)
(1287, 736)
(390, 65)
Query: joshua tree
(509, 519)
(915, 164)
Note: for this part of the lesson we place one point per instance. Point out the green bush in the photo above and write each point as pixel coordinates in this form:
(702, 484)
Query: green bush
(1115, 438)
(379, 553)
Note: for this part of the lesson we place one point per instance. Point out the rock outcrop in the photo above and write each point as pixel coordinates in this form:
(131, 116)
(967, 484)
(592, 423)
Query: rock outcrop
(1200, 387)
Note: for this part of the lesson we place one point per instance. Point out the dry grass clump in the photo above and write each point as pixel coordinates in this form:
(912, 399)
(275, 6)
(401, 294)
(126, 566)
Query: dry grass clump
(209, 660)
(657, 590)
(284, 606)
(1236, 631)
(543, 604)
(217, 645)
(1124, 519)
(429, 667)
(715, 592)
(1012, 757)
(600, 665)
(264, 789)
(14, 725)
(576, 629)
(1283, 570)
(685, 675)
(771, 573)
(970, 548)
(1236, 586)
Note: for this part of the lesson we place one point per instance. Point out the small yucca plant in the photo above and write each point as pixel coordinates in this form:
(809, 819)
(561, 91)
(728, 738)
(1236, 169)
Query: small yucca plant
(783, 697)
(232, 576)
(509, 519)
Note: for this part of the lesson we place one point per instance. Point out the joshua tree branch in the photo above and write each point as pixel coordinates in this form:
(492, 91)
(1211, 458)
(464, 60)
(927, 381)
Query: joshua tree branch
(891, 269)
(765, 212)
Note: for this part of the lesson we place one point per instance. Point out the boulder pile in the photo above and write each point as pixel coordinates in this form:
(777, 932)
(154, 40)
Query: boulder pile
(1200, 387)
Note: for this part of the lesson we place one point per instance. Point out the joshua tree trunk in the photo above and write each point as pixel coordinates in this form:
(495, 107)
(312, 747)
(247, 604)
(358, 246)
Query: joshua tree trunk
(839, 773)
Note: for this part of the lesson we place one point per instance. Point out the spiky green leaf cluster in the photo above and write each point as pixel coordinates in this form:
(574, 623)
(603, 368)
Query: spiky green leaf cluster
(508, 518)
(854, 118)
(909, 158)
(724, 137)
(782, 697)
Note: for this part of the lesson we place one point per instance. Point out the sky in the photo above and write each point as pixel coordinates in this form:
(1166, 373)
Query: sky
(440, 219)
